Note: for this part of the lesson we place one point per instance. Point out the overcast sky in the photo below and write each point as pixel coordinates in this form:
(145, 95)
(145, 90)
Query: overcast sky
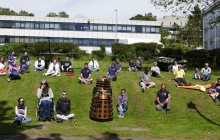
(91, 9)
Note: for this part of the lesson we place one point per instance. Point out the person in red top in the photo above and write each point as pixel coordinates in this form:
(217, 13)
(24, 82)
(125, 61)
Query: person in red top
(2, 66)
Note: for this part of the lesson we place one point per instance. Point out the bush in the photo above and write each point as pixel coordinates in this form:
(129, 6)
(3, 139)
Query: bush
(100, 54)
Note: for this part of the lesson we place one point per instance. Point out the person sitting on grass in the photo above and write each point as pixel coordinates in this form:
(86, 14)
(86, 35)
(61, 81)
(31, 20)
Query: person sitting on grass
(11, 57)
(94, 65)
(63, 107)
(146, 82)
(112, 72)
(175, 66)
(53, 70)
(213, 92)
(21, 112)
(163, 99)
(66, 65)
(155, 70)
(179, 77)
(132, 66)
(39, 64)
(2, 67)
(118, 65)
(122, 104)
(45, 95)
(23, 68)
(13, 72)
(85, 75)
(206, 72)
(196, 74)
(26, 59)
(139, 63)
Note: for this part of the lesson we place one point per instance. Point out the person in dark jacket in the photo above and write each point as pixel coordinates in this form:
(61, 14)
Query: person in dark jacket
(63, 107)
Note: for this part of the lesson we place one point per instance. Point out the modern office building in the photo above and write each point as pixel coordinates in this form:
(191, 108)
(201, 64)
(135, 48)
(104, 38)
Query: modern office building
(87, 33)
(211, 34)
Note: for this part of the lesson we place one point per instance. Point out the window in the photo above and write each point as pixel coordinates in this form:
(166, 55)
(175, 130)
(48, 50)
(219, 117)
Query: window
(95, 27)
(16, 39)
(109, 27)
(36, 40)
(41, 25)
(26, 39)
(47, 26)
(65, 40)
(36, 26)
(99, 27)
(31, 39)
(99, 42)
(31, 25)
(11, 40)
(84, 42)
(17, 25)
(157, 30)
(133, 29)
(119, 28)
(2, 40)
(8, 25)
(153, 29)
(80, 41)
(75, 41)
(91, 28)
(21, 39)
(60, 40)
(95, 43)
(57, 26)
(143, 29)
(71, 26)
(114, 28)
(129, 28)
(138, 29)
(147, 29)
(124, 28)
(22, 25)
(27, 25)
(104, 27)
(51, 26)
(90, 42)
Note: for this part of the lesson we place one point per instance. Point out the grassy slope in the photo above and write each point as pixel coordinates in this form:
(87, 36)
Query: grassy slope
(194, 115)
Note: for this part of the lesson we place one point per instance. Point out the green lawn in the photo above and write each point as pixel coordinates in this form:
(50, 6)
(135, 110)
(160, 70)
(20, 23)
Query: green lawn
(194, 115)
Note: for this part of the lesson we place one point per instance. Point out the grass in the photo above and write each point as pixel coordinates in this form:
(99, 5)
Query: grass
(194, 115)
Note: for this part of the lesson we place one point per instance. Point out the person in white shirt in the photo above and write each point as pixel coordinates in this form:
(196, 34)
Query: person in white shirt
(2, 66)
(53, 70)
(155, 70)
(94, 65)
(39, 64)
(175, 66)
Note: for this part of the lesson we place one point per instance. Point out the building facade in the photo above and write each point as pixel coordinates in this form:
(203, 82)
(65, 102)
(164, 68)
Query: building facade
(211, 34)
(87, 33)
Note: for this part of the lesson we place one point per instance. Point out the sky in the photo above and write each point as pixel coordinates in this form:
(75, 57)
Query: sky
(90, 9)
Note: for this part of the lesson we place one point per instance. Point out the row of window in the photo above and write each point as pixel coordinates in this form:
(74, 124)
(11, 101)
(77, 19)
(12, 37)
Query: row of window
(79, 26)
(78, 41)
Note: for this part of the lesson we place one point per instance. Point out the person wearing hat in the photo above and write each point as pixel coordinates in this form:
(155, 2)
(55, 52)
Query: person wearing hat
(112, 72)
(146, 82)
(122, 104)
(45, 95)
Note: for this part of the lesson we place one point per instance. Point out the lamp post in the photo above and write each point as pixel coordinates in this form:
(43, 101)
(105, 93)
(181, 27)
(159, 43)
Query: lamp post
(49, 47)
(116, 26)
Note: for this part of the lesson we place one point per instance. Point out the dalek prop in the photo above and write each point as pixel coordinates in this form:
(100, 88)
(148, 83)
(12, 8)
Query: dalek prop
(101, 106)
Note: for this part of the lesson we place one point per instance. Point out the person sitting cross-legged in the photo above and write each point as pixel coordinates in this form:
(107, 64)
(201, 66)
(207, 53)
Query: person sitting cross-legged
(66, 65)
(94, 65)
(85, 75)
(206, 72)
(145, 82)
(23, 68)
(155, 70)
(132, 66)
(13, 71)
(139, 63)
(163, 99)
(196, 74)
(2, 66)
(179, 77)
(213, 92)
(63, 108)
(122, 104)
(39, 65)
(118, 65)
(112, 72)
(53, 70)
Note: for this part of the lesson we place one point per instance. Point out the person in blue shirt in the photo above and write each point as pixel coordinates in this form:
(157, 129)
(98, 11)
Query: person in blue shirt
(112, 72)
(206, 72)
(132, 66)
(122, 104)
(23, 68)
(85, 75)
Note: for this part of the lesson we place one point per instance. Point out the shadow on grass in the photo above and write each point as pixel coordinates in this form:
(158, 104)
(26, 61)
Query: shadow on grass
(191, 105)
(109, 136)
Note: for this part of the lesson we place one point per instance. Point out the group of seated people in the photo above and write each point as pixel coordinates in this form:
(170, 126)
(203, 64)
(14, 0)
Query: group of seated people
(135, 66)
(205, 72)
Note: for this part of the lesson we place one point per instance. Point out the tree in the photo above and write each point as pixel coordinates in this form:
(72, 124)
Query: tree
(61, 14)
(147, 17)
(25, 13)
(165, 37)
(194, 28)
(7, 11)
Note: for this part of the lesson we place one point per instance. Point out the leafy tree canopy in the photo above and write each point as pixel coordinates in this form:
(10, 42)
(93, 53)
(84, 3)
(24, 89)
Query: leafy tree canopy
(148, 17)
(60, 14)
(7, 11)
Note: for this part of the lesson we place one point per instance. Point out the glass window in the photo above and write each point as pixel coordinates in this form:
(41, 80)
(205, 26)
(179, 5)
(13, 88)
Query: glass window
(47, 26)
(55, 40)
(17, 39)
(75, 41)
(2, 40)
(129, 28)
(147, 29)
(99, 27)
(84, 42)
(104, 27)
(71, 26)
(65, 40)
(36, 40)
(124, 28)
(26, 39)
(114, 28)
(60, 40)
(153, 30)
(57, 26)
(90, 42)
(80, 42)
(104, 42)
(31, 39)
(31, 25)
(109, 27)
(119, 28)
(27, 25)
(17, 25)
(143, 29)
(41, 40)
(51, 26)
(95, 43)
(21, 39)
(109, 43)
(22, 25)
(41, 25)
(36, 26)
(157, 30)
(95, 27)
(133, 29)
(91, 27)
(99, 42)
(138, 29)
(7, 24)
(11, 40)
